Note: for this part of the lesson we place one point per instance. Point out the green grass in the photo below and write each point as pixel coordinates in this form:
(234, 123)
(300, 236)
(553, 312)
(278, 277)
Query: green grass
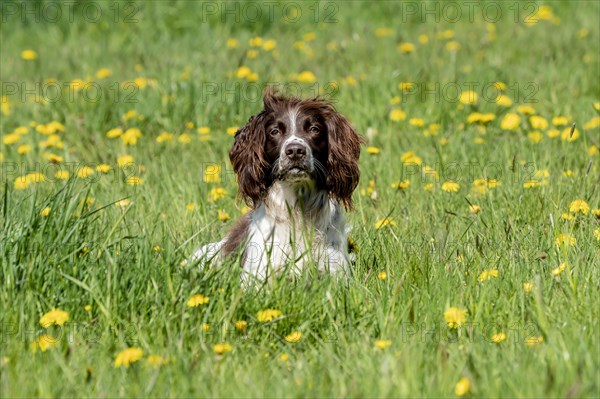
(103, 255)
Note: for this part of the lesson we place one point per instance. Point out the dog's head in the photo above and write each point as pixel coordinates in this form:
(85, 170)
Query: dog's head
(296, 140)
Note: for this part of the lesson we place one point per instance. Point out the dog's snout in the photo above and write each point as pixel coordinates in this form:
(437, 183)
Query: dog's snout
(295, 151)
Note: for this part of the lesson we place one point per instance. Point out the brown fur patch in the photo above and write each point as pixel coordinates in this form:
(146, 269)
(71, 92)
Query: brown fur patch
(237, 235)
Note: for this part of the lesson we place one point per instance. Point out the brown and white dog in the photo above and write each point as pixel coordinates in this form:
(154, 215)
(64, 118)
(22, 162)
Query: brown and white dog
(296, 164)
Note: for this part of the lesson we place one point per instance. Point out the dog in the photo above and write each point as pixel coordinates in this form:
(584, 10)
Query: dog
(296, 164)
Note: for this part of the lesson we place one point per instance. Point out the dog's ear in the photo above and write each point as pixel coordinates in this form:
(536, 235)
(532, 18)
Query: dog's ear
(342, 162)
(248, 160)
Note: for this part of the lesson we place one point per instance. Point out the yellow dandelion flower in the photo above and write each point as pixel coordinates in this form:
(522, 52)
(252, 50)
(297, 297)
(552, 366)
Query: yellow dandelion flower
(29, 55)
(103, 168)
(384, 32)
(526, 109)
(397, 115)
(212, 174)
(566, 134)
(499, 85)
(382, 344)
(423, 39)
(510, 122)
(124, 160)
(450, 186)
(54, 317)
(382, 275)
(499, 337)
(123, 203)
(203, 130)
(503, 100)
(128, 356)
(114, 133)
(532, 184)
(131, 136)
(216, 194)
(88, 308)
(474, 209)
(373, 150)
(385, 222)
(184, 138)
(84, 172)
(306, 77)
(269, 44)
(164, 137)
(468, 97)
(553, 133)
(23, 149)
(197, 300)
(103, 73)
(222, 216)
(134, 181)
(350, 80)
(293, 337)
(205, 327)
(232, 43)
(592, 150)
(417, 122)
(527, 287)
(245, 209)
(453, 46)
(268, 315)
(232, 130)
(405, 86)
(256, 41)
(190, 207)
(45, 212)
(44, 342)
(462, 387)
(11, 138)
(559, 269)
(565, 239)
(579, 206)
(535, 137)
(62, 175)
(534, 341)
(567, 216)
(487, 275)
(597, 234)
(407, 48)
(592, 123)
(222, 348)
(401, 185)
(53, 158)
(538, 122)
(242, 72)
(455, 317)
(156, 361)
(241, 325)
(560, 120)
(409, 157)
(445, 34)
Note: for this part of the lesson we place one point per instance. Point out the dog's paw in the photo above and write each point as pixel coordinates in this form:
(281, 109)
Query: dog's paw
(209, 253)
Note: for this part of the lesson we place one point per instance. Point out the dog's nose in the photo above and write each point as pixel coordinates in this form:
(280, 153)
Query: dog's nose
(295, 151)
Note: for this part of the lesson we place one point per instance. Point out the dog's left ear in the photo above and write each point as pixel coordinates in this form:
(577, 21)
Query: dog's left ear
(342, 164)
(248, 160)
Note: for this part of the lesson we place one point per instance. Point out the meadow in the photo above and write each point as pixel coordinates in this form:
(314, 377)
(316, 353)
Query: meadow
(476, 221)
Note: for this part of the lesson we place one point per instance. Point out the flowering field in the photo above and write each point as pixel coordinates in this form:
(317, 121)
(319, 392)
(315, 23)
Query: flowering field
(477, 220)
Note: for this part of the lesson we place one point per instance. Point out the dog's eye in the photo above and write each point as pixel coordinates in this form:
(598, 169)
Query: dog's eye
(274, 132)
(314, 130)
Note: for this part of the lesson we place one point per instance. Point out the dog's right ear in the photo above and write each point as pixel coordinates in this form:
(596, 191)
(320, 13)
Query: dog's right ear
(248, 160)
